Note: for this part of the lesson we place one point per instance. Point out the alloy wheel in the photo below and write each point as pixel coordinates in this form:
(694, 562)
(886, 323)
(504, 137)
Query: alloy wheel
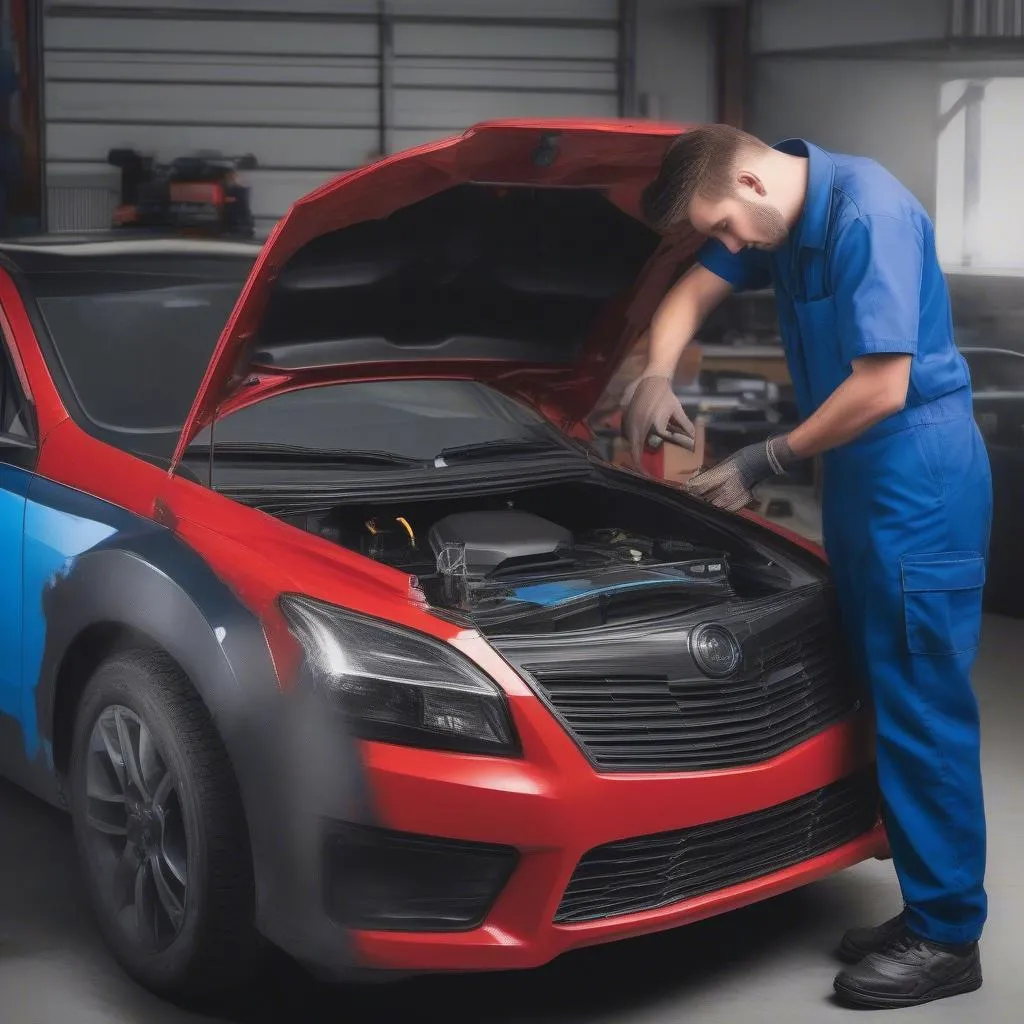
(136, 829)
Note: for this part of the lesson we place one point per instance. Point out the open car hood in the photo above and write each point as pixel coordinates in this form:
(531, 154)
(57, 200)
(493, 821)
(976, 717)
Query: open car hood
(514, 254)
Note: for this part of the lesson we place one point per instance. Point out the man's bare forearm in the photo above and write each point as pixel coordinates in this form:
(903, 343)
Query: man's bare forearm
(875, 390)
(679, 316)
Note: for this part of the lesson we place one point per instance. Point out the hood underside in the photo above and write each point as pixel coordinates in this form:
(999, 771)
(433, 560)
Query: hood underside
(514, 254)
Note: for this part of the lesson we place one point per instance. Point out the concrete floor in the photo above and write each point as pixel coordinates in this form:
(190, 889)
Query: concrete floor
(771, 962)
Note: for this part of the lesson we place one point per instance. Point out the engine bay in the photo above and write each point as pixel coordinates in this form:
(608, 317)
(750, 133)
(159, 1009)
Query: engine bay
(510, 566)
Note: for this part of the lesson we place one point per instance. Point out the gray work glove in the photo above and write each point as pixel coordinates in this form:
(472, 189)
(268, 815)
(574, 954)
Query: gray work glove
(729, 484)
(652, 410)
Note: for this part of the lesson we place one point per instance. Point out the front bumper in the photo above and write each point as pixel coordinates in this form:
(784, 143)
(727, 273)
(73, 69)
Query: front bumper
(552, 807)
(553, 817)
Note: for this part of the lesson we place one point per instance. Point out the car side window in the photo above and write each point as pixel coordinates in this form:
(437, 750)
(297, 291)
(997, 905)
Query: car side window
(13, 407)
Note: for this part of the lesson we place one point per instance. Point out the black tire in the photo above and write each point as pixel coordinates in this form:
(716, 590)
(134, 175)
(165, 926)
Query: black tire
(213, 947)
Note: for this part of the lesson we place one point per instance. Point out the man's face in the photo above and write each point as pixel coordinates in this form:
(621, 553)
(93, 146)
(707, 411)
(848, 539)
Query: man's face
(743, 219)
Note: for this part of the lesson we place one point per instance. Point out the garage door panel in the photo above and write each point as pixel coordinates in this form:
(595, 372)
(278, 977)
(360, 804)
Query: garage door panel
(531, 41)
(248, 7)
(127, 69)
(461, 109)
(168, 103)
(273, 192)
(590, 76)
(605, 10)
(141, 35)
(284, 148)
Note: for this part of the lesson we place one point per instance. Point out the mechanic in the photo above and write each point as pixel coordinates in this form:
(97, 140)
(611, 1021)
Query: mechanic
(885, 398)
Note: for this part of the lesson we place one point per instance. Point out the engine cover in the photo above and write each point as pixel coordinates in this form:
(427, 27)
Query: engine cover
(494, 541)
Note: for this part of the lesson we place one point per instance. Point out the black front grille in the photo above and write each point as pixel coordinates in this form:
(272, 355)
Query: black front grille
(643, 714)
(649, 872)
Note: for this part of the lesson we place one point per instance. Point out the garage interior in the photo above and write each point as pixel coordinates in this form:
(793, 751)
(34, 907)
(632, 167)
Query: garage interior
(933, 89)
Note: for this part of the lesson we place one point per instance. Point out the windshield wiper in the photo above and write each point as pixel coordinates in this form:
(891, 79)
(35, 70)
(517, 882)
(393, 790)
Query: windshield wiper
(296, 453)
(499, 447)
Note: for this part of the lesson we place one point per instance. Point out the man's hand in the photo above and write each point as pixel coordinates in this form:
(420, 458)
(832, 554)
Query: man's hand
(650, 407)
(729, 485)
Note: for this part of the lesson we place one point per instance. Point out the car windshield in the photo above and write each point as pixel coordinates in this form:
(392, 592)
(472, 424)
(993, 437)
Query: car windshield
(412, 419)
(134, 346)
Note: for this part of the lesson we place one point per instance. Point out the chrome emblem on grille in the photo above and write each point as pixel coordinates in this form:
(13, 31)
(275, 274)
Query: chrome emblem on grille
(715, 650)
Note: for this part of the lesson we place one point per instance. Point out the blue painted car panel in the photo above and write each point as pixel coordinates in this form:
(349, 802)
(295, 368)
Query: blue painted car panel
(14, 484)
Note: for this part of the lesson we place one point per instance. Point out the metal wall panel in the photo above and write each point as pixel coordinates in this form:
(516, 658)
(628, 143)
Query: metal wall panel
(304, 86)
(535, 42)
(302, 38)
(243, 8)
(986, 19)
(577, 9)
(535, 10)
(447, 76)
(213, 103)
(450, 111)
(233, 69)
(310, 149)
(597, 76)
(789, 25)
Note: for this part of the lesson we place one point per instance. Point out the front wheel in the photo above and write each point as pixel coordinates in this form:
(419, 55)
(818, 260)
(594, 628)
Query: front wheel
(160, 830)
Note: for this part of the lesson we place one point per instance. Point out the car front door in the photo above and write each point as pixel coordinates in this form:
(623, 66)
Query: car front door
(17, 457)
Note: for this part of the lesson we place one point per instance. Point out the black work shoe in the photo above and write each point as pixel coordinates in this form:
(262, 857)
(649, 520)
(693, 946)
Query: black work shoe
(857, 943)
(910, 971)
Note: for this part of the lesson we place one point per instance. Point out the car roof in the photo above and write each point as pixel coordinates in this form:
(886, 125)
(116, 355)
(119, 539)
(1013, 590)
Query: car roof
(107, 251)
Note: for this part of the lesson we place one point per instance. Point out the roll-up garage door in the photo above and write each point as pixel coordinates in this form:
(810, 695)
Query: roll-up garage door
(310, 88)
(521, 59)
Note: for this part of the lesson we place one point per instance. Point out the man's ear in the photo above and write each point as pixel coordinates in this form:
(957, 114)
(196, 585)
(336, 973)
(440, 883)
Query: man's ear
(748, 179)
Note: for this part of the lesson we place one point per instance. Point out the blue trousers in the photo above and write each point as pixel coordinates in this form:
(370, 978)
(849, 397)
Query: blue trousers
(906, 528)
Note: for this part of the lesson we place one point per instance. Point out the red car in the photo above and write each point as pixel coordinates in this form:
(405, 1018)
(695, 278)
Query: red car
(327, 625)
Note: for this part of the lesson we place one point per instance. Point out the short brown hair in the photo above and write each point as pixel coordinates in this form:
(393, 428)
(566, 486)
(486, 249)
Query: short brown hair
(698, 162)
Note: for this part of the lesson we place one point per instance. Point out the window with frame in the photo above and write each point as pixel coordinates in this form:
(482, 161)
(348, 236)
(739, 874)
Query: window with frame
(14, 420)
(978, 208)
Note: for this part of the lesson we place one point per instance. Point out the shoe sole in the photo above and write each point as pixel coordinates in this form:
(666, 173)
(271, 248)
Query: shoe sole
(865, 999)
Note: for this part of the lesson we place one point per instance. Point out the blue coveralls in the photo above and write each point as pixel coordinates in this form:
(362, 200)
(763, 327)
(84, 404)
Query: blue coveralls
(906, 511)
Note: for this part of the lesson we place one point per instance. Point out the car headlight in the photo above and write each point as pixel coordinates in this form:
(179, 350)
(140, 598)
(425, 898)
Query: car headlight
(397, 686)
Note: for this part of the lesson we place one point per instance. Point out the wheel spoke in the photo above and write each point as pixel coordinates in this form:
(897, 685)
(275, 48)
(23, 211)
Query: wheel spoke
(95, 792)
(125, 874)
(110, 828)
(174, 859)
(130, 754)
(151, 767)
(168, 900)
(162, 790)
(112, 746)
(145, 920)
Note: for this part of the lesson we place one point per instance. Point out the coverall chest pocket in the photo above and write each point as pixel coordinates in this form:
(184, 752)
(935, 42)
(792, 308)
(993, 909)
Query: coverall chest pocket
(820, 348)
(942, 596)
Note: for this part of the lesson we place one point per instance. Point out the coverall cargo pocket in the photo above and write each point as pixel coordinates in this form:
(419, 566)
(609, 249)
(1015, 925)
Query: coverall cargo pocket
(942, 595)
